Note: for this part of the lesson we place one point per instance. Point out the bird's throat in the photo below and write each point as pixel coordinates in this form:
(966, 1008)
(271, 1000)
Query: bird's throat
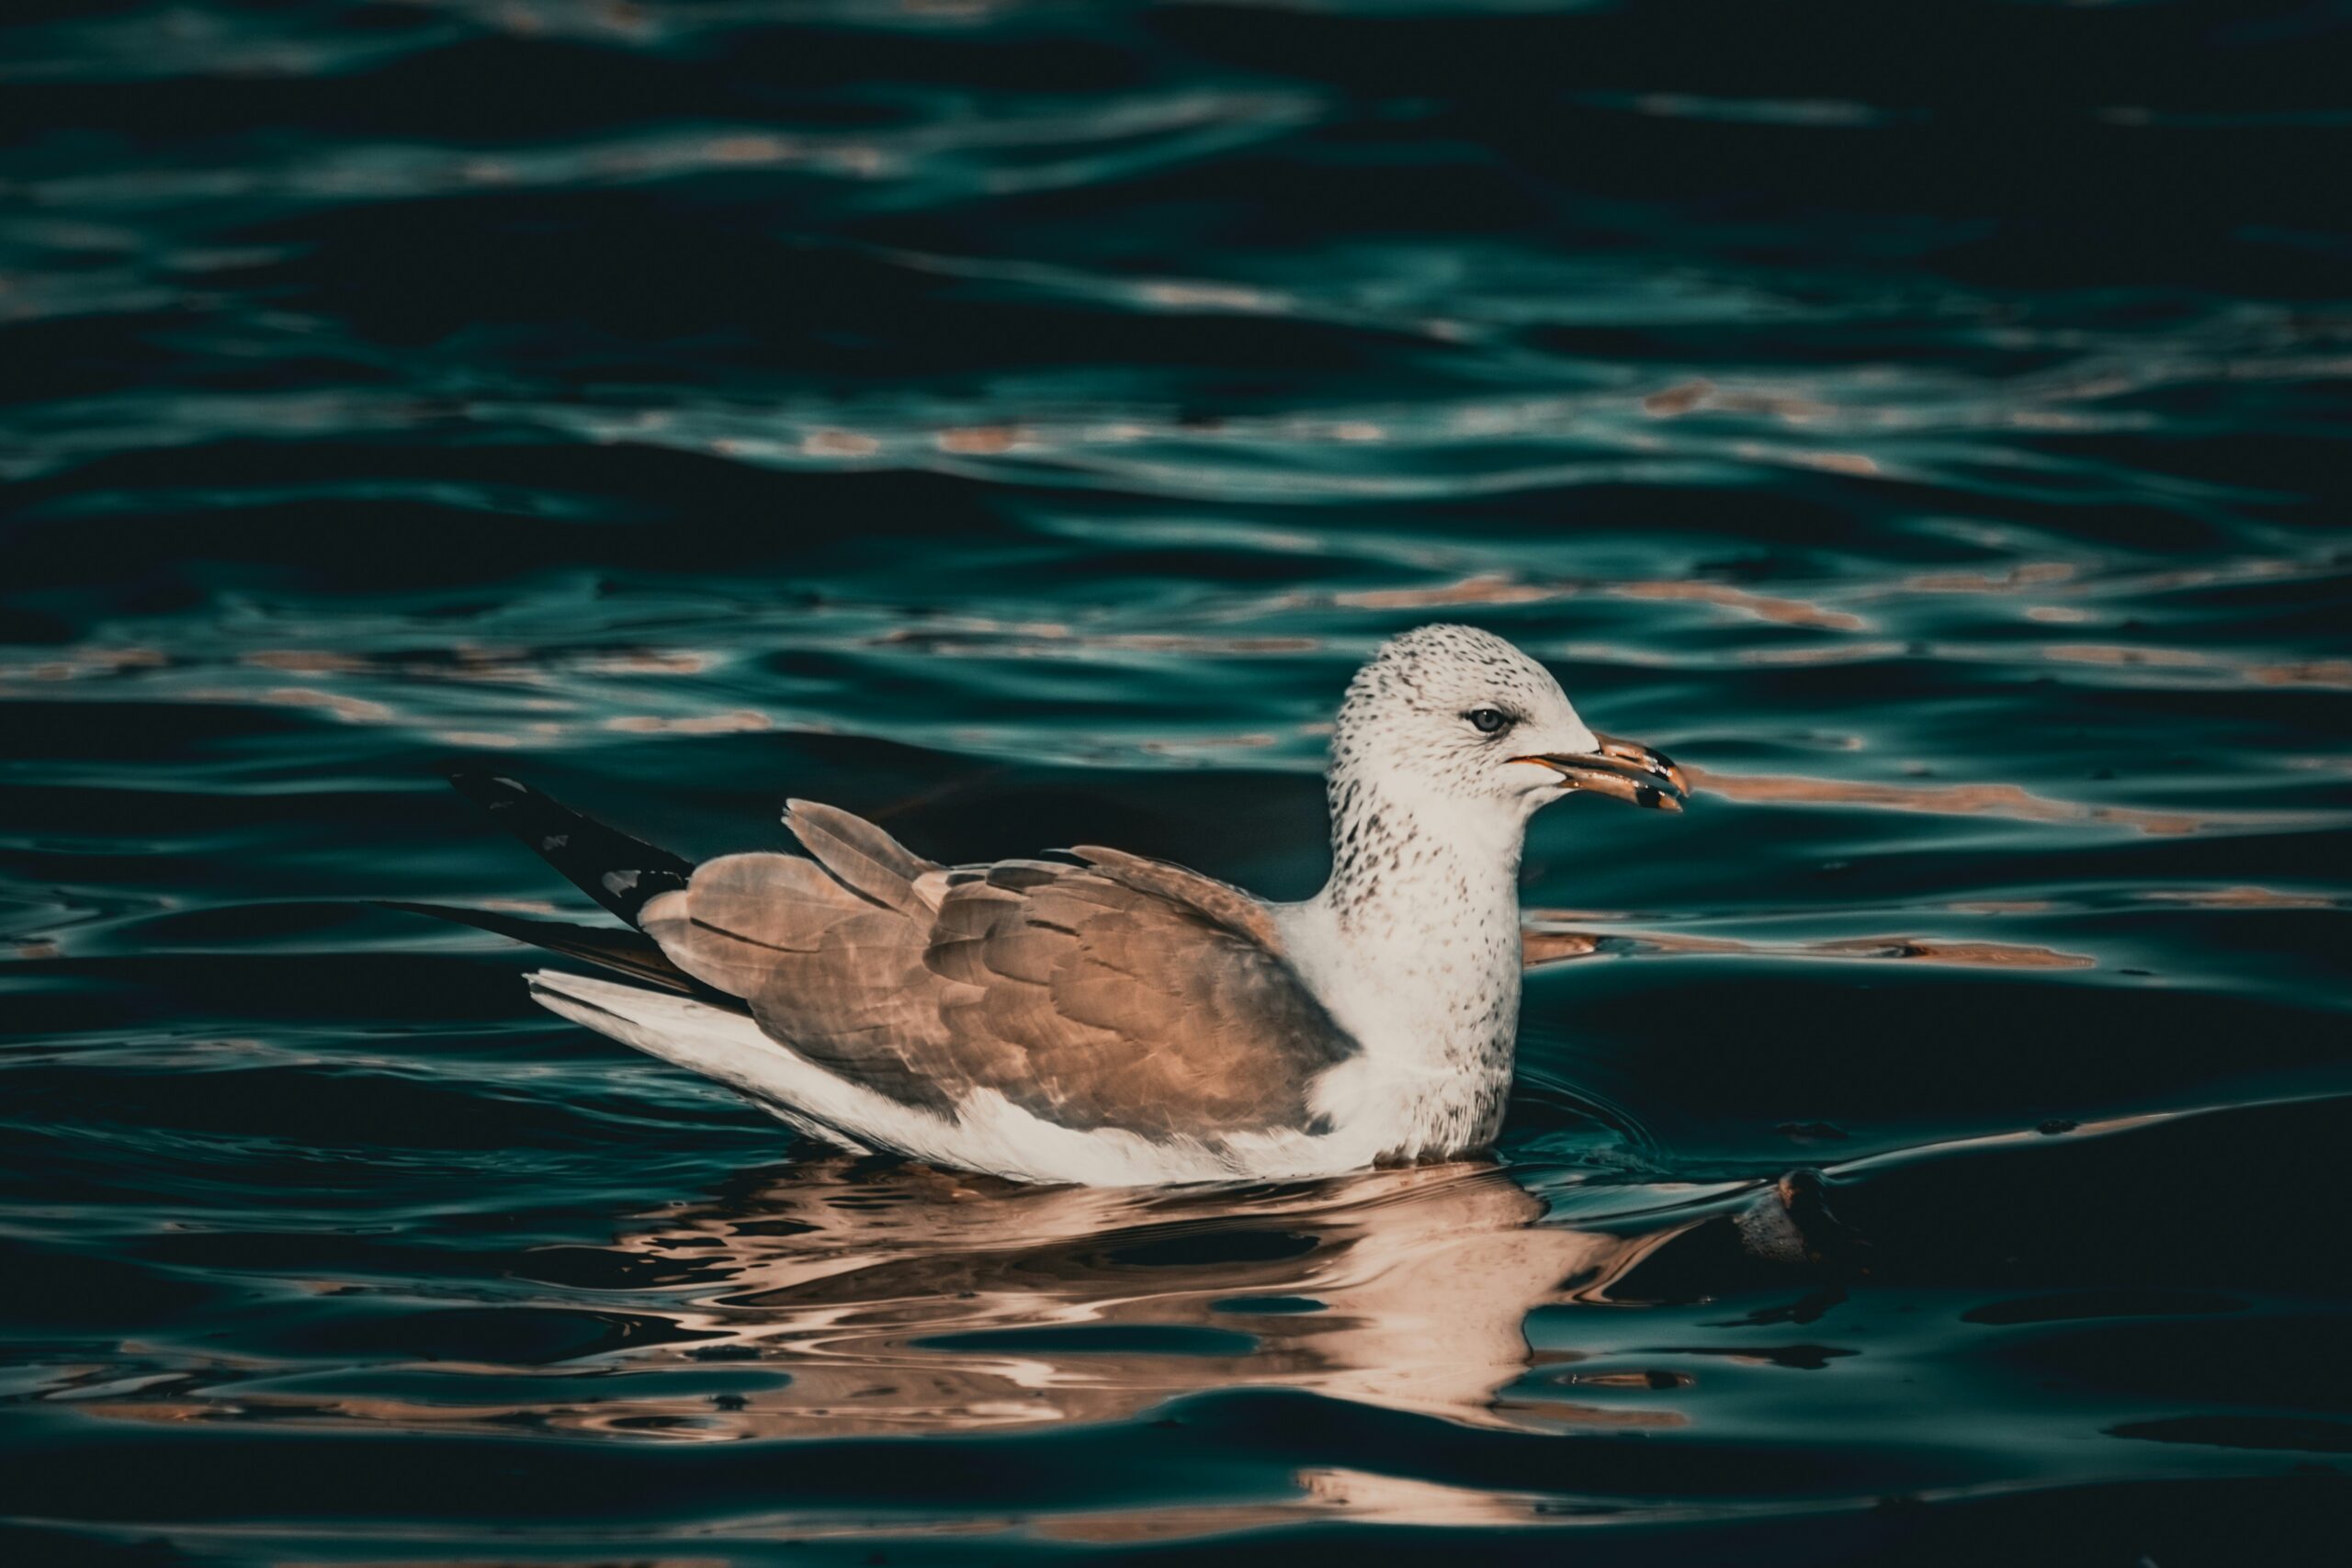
(1400, 866)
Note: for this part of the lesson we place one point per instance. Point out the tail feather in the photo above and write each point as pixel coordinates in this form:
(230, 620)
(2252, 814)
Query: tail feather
(619, 871)
(686, 1020)
(722, 1045)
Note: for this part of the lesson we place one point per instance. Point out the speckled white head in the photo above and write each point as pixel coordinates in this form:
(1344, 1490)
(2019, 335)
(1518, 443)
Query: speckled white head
(1453, 716)
(1448, 741)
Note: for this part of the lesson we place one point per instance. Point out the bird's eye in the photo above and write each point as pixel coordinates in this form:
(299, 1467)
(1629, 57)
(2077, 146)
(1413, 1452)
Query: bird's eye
(1489, 721)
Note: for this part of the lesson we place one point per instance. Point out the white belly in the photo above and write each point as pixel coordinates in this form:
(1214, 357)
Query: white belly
(1437, 1040)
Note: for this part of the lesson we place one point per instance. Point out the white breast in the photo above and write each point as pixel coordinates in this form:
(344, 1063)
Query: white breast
(1436, 1022)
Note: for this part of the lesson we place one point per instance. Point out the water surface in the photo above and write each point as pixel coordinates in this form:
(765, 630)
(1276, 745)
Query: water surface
(1013, 422)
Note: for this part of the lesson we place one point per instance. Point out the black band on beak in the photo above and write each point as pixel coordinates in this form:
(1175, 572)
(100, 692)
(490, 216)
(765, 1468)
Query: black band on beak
(1622, 769)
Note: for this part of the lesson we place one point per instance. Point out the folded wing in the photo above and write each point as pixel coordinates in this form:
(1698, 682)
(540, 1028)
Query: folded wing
(1124, 992)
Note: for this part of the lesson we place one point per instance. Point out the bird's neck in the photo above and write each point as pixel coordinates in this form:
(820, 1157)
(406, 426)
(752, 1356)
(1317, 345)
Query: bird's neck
(1402, 864)
(1420, 946)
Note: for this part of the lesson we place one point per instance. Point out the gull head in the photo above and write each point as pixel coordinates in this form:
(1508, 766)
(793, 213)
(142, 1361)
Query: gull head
(1456, 718)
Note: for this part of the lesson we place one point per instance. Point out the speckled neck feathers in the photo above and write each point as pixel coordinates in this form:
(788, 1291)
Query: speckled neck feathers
(1423, 905)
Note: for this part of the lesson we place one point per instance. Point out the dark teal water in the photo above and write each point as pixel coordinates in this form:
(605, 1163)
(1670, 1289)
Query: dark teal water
(1013, 422)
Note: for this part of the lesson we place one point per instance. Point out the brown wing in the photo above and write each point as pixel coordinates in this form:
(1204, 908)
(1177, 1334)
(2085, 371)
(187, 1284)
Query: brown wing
(1122, 993)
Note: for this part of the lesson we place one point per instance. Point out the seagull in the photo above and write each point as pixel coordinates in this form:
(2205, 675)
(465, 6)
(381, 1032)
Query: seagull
(1108, 1018)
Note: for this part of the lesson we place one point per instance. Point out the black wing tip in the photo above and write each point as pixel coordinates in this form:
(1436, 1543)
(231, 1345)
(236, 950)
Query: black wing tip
(617, 870)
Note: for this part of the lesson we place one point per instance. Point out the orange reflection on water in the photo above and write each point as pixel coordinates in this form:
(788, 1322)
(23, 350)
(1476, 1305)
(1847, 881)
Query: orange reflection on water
(838, 443)
(981, 636)
(1486, 587)
(1848, 652)
(734, 721)
(1784, 612)
(1854, 463)
(2309, 672)
(2028, 574)
(2334, 673)
(80, 663)
(750, 149)
(2118, 655)
(1361, 1496)
(1246, 740)
(2240, 897)
(1539, 947)
(486, 663)
(1187, 296)
(350, 709)
(1687, 397)
(982, 440)
(304, 660)
(2008, 801)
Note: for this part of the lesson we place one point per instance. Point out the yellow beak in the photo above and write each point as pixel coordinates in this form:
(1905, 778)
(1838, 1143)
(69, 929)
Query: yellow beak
(1622, 769)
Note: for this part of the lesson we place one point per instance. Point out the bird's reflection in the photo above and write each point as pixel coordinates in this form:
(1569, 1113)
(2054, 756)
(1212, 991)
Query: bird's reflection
(909, 1300)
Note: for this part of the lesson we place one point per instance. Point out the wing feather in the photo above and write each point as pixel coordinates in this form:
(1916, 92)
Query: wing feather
(1122, 992)
(867, 859)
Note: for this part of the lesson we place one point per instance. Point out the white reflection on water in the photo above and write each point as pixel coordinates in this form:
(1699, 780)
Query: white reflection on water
(1402, 1289)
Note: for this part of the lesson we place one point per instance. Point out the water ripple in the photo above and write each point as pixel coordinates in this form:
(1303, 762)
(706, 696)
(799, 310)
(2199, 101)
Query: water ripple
(1015, 420)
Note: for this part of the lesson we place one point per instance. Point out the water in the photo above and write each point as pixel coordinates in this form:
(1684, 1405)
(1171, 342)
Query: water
(1013, 422)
